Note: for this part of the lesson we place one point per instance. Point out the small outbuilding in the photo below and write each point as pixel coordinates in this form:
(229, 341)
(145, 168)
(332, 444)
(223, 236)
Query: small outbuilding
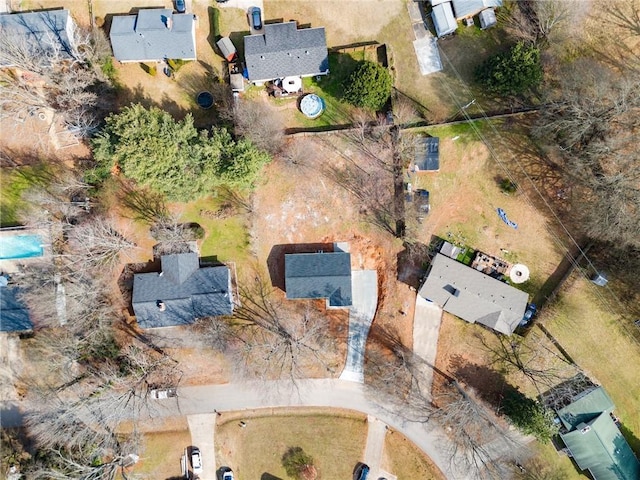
(227, 48)
(427, 154)
(443, 19)
(487, 18)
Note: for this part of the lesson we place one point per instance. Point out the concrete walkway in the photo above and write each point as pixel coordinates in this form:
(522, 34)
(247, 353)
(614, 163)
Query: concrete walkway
(427, 318)
(202, 428)
(364, 302)
(376, 435)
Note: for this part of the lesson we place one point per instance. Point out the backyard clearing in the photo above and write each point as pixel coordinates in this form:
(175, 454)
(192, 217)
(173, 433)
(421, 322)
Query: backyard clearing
(335, 439)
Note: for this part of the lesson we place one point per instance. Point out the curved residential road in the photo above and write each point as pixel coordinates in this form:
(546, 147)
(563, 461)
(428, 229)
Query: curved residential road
(309, 393)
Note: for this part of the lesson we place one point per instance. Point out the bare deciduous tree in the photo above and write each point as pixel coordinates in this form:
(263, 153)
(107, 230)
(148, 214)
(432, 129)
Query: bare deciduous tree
(531, 357)
(96, 242)
(48, 76)
(592, 125)
(274, 340)
(260, 123)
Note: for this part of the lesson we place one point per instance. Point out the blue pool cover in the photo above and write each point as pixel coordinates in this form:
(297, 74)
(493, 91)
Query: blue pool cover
(20, 246)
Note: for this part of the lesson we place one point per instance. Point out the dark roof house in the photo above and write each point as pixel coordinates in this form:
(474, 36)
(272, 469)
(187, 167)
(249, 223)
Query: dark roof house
(283, 50)
(181, 292)
(473, 296)
(153, 35)
(427, 154)
(14, 316)
(49, 32)
(593, 438)
(319, 275)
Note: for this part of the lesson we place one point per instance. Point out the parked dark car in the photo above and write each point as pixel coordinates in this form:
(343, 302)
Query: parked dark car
(181, 6)
(256, 18)
(529, 313)
(362, 472)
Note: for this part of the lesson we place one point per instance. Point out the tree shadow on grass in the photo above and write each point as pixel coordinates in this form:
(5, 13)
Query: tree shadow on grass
(341, 65)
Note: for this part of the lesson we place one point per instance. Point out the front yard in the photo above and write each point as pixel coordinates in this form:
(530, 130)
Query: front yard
(335, 439)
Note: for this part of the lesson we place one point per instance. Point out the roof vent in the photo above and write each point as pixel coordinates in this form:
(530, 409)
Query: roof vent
(161, 305)
(585, 429)
(169, 23)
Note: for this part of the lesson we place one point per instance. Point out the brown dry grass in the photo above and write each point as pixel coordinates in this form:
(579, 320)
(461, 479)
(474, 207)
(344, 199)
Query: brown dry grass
(404, 460)
(334, 438)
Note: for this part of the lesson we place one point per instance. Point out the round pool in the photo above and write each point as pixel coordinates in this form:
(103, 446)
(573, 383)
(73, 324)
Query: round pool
(205, 100)
(311, 105)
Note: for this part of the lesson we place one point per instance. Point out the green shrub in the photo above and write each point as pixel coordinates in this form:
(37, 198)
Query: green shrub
(507, 186)
(175, 64)
(295, 461)
(369, 86)
(513, 72)
(108, 69)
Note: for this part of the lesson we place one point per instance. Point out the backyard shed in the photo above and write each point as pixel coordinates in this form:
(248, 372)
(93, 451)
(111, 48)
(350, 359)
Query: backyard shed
(227, 48)
(427, 154)
(487, 18)
(443, 20)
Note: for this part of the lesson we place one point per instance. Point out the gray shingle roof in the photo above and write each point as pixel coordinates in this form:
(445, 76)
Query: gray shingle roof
(14, 316)
(186, 291)
(443, 19)
(427, 153)
(284, 51)
(153, 35)
(474, 296)
(42, 31)
(319, 275)
(467, 8)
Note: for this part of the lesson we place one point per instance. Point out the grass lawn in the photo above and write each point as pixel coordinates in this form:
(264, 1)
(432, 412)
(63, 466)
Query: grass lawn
(591, 335)
(225, 238)
(14, 182)
(404, 460)
(161, 456)
(335, 439)
(329, 88)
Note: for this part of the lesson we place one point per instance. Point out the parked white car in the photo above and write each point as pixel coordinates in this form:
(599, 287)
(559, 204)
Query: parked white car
(196, 461)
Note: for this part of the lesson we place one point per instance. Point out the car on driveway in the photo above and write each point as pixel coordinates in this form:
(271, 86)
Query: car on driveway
(255, 16)
(362, 472)
(196, 461)
(227, 475)
(181, 6)
(529, 313)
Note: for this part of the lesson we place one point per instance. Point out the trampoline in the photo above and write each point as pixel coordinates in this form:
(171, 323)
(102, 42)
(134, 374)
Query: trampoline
(205, 100)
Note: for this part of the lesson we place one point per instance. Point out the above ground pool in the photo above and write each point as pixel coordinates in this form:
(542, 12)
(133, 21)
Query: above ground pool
(311, 105)
(20, 246)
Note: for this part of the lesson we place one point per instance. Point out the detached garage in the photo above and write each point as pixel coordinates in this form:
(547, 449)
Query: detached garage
(443, 19)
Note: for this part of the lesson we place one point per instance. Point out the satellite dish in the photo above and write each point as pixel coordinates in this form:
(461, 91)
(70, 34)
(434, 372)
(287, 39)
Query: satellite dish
(519, 273)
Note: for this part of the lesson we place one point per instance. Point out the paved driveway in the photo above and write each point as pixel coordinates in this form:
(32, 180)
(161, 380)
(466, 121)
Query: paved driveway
(245, 5)
(426, 327)
(202, 428)
(364, 301)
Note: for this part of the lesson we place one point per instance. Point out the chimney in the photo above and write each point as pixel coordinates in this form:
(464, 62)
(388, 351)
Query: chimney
(169, 23)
